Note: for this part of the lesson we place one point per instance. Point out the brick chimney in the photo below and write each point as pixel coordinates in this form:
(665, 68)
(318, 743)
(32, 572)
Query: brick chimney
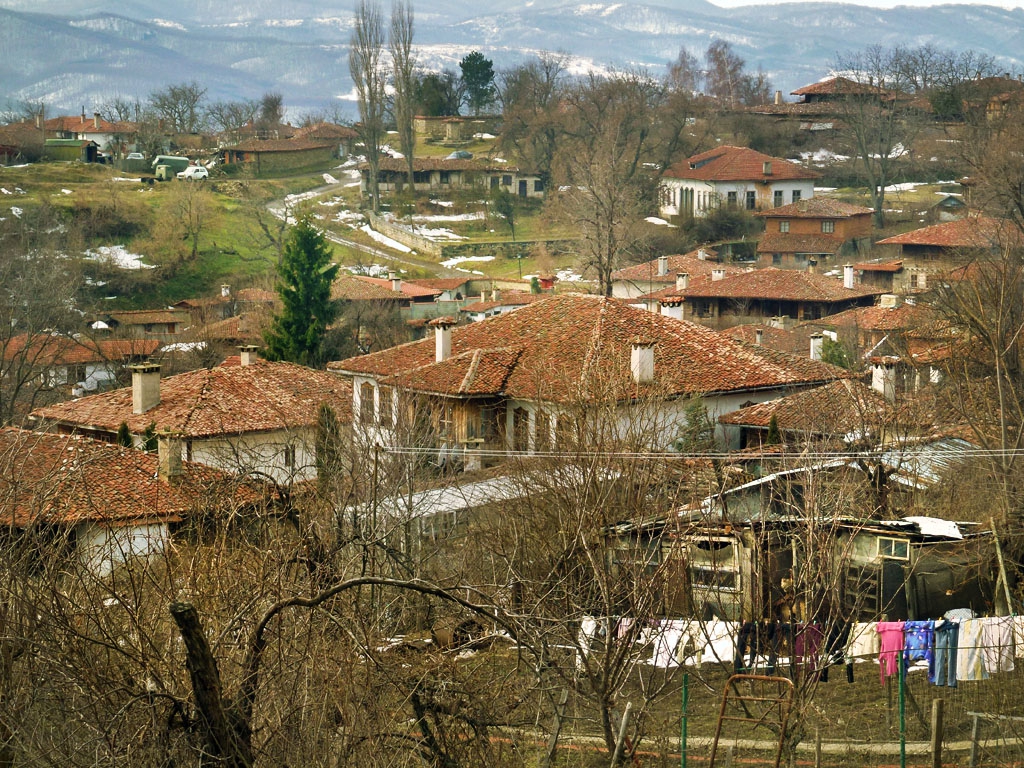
(817, 341)
(682, 281)
(662, 266)
(442, 338)
(848, 276)
(145, 387)
(83, 114)
(672, 306)
(168, 449)
(641, 361)
(249, 354)
(396, 282)
(717, 274)
(96, 120)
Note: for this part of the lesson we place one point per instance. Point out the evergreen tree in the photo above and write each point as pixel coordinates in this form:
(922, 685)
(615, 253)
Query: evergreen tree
(306, 274)
(478, 80)
(774, 437)
(124, 435)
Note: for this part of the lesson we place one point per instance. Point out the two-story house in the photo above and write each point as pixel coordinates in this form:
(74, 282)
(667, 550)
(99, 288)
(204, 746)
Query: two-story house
(818, 230)
(736, 176)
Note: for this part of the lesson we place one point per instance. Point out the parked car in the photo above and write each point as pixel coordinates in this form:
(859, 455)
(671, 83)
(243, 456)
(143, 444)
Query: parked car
(134, 156)
(194, 173)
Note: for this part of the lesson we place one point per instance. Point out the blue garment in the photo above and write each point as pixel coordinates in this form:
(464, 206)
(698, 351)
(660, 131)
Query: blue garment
(918, 636)
(942, 667)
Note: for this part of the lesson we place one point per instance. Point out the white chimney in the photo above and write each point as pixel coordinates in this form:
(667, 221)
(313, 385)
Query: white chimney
(168, 448)
(848, 276)
(672, 306)
(225, 290)
(702, 254)
(442, 338)
(682, 281)
(883, 377)
(496, 294)
(817, 340)
(248, 354)
(889, 301)
(145, 387)
(396, 282)
(766, 167)
(717, 274)
(759, 336)
(641, 362)
(662, 266)
(778, 98)
(96, 120)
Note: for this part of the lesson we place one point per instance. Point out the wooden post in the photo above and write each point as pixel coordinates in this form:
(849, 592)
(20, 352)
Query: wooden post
(730, 753)
(1002, 569)
(972, 759)
(937, 733)
(817, 748)
(556, 730)
(617, 755)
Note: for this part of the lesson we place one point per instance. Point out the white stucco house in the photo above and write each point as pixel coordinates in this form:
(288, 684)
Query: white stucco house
(734, 176)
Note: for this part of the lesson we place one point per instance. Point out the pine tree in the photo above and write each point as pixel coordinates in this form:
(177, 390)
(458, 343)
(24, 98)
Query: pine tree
(306, 274)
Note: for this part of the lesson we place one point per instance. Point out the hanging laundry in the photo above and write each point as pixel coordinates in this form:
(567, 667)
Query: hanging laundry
(807, 647)
(918, 639)
(890, 641)
(666, 641)
(863, 644)
(997, 641)
(1018, 636)
(970, 657)
(942, 667)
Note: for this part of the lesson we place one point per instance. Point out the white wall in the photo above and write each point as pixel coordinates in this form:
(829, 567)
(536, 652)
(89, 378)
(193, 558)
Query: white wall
(101, 548)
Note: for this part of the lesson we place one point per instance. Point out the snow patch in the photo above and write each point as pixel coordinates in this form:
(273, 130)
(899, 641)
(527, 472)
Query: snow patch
(659, 222)
(117, 256)
(451, 263)
(328, 179)
(384, 239)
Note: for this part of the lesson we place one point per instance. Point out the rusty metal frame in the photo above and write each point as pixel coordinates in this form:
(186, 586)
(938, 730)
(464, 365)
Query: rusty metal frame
(764, 705)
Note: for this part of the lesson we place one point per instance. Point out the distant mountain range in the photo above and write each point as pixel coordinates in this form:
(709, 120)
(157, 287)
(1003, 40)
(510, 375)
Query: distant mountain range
(77, 53)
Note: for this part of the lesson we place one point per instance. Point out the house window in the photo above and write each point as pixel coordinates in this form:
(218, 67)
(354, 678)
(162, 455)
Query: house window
(542, 440)
(796, 196)
(538, 185)
(783, 226)
(386, 409)
(751, 200)
(893, 549)
(495, 181)
(778, 198)
(520, 429)
(828, 227)
(366, 397)
(506, 181)
(714, 563)
(289, 456)
(446, 177)
(776, 259)
(730, 199)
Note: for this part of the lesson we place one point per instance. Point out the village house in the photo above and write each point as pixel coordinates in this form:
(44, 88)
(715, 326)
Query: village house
(109, 504)
(279, 155)
(499, 302)
(930, 252)
(641, 279)
(434, 174)
(735, 176)
(812, 232)
(162, 324)
(834, 89)
(117, 138)
(247, 416)
(342, 137)
(760, 294)
(519, 380)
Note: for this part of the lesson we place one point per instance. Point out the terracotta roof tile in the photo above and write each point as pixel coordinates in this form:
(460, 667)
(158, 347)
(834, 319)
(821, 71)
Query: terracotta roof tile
(261, 295)
(879, 266)
(407, 287)
(781, 284)
(575, 346)
(279, 145)
(67, 479)
(787, 242)
(324, 130)
(62, 350)
(226, 400)
(506, 299)
(477, 372)
(792, 341)
(352, 288)
(817, 207)
(833, 409)
(148, 316)
(970, 232)
(835, 86)
(690, 263)
(442, 283)
(878, 318)
(726, 163)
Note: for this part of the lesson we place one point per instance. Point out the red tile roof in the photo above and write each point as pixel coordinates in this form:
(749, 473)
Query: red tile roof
(149, 316)
(572, 346)
(442, 283)
(781, 284)
(352, 288)
(247, 326)
(408, 288)
(257, 295)
(728, 163)
(324, 130)
(786, 242)
(66, 479)
(62, 350)
(878, 318)
(75, 124)
(279, 145)
(506, 299)
(839, 86)
(689, 263)
(399, 165)
(816, 208)
(226, 400)
(971, 232)
(792, 341)
(834, 409)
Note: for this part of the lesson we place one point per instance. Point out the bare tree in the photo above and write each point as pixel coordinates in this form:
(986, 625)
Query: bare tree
(180, 106)
(368, 73)
(529, 96)
(403, 80)
(233, 115)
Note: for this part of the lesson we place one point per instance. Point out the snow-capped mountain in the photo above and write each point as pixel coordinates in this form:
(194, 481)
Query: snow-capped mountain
(73, 53)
